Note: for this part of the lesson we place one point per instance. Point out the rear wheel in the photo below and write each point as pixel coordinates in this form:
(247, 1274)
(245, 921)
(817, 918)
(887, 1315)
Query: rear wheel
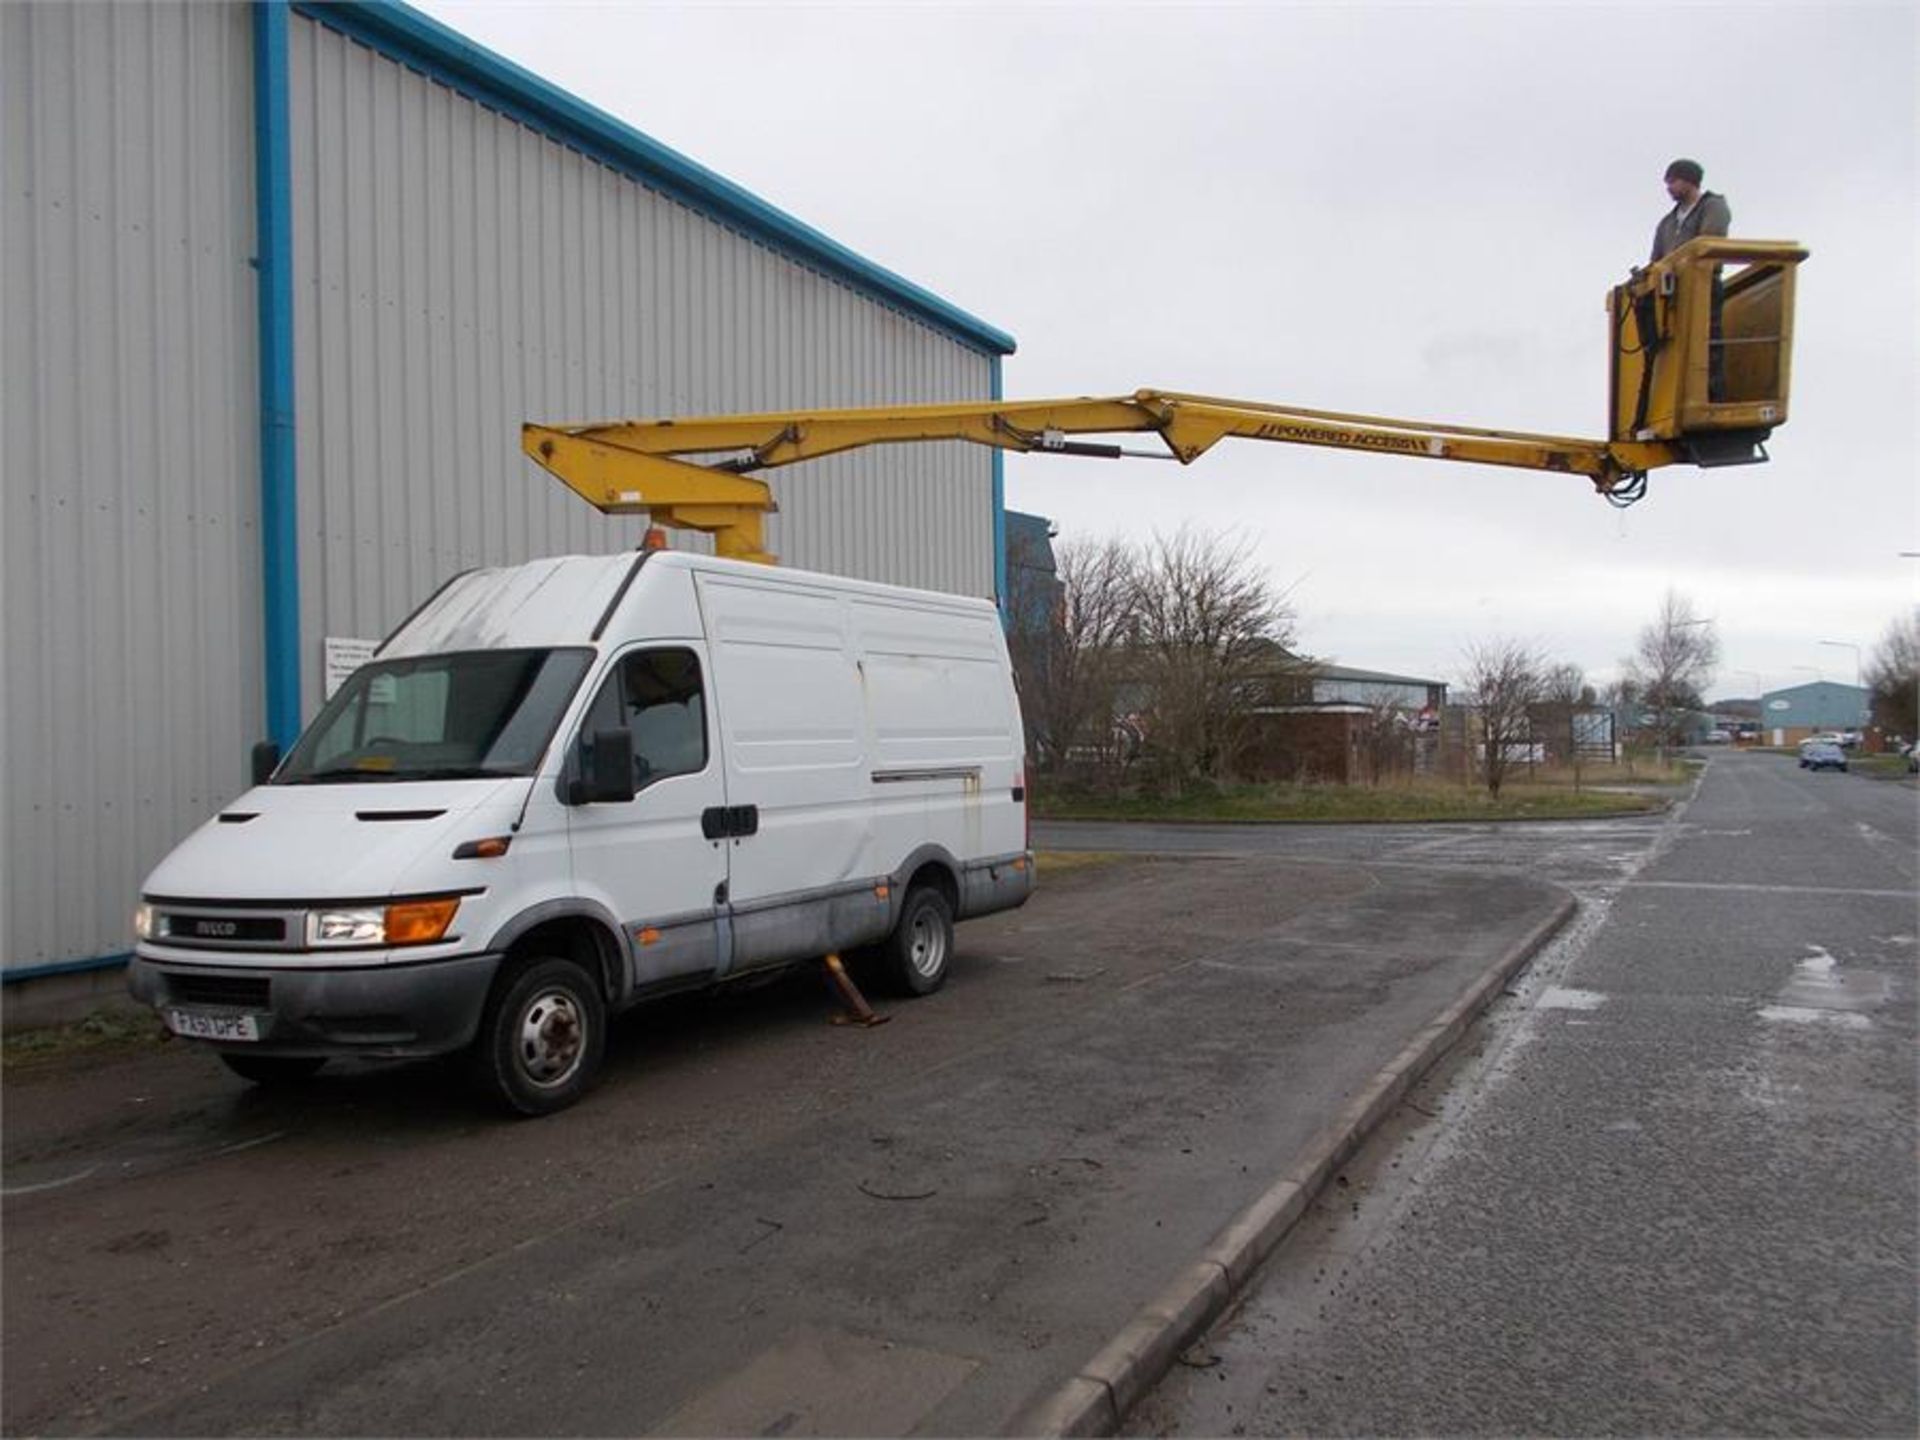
(541, 1038)
(914, 959)
(272, 1069)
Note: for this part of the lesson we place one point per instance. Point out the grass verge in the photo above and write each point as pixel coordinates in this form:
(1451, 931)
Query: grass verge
(1405, 803)
(102, 1032)
(1054, 863)
(1880, 767)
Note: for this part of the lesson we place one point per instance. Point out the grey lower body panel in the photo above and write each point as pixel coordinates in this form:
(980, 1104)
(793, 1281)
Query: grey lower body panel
(992, 885)
(810, 925)
(381, 1011)
(676, 951)
(672, 951)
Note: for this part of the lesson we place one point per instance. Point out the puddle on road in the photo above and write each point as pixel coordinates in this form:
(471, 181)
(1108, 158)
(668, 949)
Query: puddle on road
(1820, 983)
(1814, 1015)
(1565, 997)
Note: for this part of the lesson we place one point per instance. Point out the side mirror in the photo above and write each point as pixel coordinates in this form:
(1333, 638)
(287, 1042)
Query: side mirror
(607, 777)
(266, 759)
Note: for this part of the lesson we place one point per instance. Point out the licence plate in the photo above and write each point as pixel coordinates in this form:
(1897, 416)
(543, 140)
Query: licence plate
(213, 1027)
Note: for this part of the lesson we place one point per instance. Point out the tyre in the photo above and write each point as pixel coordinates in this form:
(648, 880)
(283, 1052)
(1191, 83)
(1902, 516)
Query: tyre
(272, 1069)
(541, 1037)
(915, 957)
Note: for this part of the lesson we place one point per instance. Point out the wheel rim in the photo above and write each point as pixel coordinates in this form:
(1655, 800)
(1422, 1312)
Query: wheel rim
(927, 945)
(552, 1038)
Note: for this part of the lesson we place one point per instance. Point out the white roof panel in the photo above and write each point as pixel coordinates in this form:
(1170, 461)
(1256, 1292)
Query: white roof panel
(556, 601)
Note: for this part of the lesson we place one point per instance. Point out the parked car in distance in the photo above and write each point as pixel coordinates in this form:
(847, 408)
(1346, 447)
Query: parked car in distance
(1848, 739)
(1913, 758)
(1822, 756)
(1719, 737)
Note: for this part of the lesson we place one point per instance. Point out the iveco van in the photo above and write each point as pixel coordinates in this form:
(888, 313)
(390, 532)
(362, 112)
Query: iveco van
(566, 786)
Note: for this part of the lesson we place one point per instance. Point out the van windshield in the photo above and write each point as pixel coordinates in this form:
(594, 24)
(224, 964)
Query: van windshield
(470, 715)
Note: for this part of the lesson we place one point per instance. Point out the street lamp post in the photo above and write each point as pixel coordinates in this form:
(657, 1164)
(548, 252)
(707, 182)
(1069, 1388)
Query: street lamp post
(1667, 703)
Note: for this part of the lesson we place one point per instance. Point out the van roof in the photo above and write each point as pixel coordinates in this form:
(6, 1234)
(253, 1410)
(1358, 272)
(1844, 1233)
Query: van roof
(562, 600)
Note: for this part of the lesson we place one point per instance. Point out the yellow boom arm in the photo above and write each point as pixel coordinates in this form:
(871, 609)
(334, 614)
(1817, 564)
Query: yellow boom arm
(1660, 322)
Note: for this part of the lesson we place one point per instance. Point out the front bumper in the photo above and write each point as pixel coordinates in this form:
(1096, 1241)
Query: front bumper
(380, 1011)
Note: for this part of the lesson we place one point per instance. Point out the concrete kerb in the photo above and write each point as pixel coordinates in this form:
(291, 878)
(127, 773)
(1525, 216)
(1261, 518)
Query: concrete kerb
(1096, 1400)
(1662, 804)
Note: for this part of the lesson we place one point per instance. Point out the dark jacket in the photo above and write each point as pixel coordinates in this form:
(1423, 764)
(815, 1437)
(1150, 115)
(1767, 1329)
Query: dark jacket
(1710, 216)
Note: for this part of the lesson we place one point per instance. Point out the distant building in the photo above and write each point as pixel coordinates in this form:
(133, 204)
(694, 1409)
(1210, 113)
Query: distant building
(1789, 716)
(1342, 724)
(1570, 734)
(1034, 588)
(1337, 684)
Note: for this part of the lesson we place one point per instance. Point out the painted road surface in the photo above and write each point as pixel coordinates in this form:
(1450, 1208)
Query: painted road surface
(1674, 1192)
(759, 1223)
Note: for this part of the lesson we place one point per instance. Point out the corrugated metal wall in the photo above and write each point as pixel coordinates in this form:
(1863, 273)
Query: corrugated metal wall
(458, 272)
(129, 688)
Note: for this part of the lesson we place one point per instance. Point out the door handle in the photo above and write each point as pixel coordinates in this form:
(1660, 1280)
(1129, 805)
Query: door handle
(721, 822)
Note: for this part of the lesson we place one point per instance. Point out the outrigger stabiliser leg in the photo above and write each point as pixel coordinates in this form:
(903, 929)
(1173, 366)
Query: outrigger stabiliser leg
(858, 1011)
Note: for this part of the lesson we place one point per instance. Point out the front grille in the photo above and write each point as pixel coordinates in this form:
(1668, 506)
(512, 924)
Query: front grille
(227, 929)
(241, 992)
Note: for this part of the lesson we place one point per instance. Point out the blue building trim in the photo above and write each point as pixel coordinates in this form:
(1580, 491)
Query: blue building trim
(443, 54)
(66, 967)
(273, 260)
(996, 392)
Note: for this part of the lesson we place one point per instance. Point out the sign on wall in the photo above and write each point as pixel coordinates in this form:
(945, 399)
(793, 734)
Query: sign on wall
(344, 655)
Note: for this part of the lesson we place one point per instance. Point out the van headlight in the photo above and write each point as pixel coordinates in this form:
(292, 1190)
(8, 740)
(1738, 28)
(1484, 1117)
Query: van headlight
(347, 927)
(411, 922)
(143, 922)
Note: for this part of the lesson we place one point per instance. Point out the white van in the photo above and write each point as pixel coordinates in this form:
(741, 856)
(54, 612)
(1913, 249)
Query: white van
(566, 786)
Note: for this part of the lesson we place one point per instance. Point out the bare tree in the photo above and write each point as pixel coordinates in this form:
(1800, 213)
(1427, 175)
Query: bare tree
(1893, 678)
(1385, 735)
(1673, 663)
(1563, 693)
(1068, 667)
(1208, 630)
(1504, 678)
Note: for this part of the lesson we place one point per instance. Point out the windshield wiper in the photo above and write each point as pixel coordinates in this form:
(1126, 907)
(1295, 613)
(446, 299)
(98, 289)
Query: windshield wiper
(458, 772)
(347, 776)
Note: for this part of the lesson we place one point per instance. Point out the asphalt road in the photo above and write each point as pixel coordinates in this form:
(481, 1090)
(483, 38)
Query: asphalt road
(1674, 1192)
(758, 1224)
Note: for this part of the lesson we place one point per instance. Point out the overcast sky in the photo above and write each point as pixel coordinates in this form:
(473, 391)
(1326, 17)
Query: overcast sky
(1404, 210)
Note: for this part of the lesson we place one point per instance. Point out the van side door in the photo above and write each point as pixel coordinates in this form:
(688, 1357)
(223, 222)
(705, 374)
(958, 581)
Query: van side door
(649, 860)
(803, 880)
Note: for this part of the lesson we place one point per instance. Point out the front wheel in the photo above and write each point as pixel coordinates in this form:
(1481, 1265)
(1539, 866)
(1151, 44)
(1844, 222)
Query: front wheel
(541, 1038)
(916, 955)
(272, 1069)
